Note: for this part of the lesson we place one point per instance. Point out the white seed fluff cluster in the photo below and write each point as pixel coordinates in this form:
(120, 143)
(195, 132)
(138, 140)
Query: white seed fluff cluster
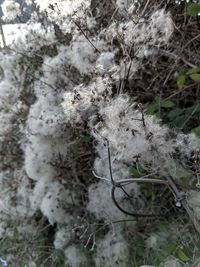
(133, 136)
(11, 9)
(53, 92)
(155, 31)
(60, 11)
(112, 251)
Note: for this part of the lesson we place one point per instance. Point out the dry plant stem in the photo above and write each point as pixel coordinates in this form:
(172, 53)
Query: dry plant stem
(142, 112)
(110, 167)
(180, 197)
(126, 76)
(142, 180)
(85, 35)
(188, 118)
(191, 215)
(127, 212)
(178, 194)
(113, 15)
(190, 41)
(169, 74)
(117, 184)
(2, 35)
(180, 91)
(174, 56)
(145, 7)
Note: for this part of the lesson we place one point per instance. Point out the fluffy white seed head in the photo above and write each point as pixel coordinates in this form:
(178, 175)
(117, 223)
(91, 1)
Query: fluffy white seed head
(11, 9)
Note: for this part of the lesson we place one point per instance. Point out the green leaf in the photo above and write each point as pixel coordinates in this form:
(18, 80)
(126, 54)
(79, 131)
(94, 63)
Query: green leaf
(196, 131)
(195, 77)
(86, 139)
(180, 81)
(193, 9)
(194, 109)
(182, 256)
(169, 248)
(175, 113)
(193, 71)
(151, 109)
(135, 172)
(178, 122)
(167, 104)
(146, 190)
(163, 227)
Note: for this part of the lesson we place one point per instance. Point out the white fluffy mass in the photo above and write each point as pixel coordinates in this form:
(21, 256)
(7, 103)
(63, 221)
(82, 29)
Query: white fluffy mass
(132, 136)
(155, 31)
(61, 11)
(61, 96)
(112, 251)
(75, 257)
(11, 9)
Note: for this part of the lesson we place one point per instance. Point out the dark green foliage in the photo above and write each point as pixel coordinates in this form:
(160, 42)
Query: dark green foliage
(193, 9)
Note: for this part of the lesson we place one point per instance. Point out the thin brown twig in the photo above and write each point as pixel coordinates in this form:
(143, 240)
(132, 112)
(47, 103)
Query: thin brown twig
(174, 56)
(190, 41)
(85, 35)
(179, 91)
